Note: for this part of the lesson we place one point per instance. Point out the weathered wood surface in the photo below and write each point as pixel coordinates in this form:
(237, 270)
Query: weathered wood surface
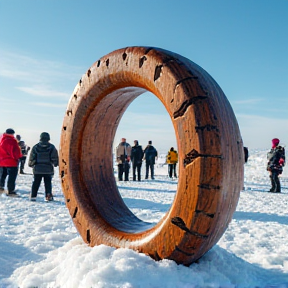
(209, 144)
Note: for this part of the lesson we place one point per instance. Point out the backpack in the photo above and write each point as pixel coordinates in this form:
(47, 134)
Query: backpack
(43, 163)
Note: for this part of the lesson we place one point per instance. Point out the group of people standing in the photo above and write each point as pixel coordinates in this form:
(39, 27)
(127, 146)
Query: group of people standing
(125, 154)
(43, 158)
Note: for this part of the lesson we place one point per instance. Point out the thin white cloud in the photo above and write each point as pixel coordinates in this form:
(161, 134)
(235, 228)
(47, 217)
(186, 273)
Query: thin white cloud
(248, 101)
(7, 100)
(52, 105)
(38, 77)
(43, 91)
(28, 69)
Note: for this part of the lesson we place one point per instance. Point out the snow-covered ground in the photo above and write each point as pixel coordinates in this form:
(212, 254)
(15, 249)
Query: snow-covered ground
(39, 246)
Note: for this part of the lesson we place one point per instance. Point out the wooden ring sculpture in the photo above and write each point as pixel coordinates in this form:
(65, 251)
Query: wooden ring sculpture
(209, 145)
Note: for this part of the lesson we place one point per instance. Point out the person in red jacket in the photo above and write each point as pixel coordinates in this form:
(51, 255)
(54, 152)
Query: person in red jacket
(10, 154)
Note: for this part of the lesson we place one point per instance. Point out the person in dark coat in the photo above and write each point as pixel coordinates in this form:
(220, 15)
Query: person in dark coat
(43, 158)
(246, 154)
(150, 154)
(10, 154)
(24, 150)
(276, 161)
(136, 159)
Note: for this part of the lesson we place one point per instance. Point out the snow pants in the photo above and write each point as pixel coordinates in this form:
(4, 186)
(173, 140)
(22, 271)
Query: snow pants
(37, 181)
(149, 166)
(172, 170)
(123, 169)
(12, 173)
(275, 182)
(137, 167)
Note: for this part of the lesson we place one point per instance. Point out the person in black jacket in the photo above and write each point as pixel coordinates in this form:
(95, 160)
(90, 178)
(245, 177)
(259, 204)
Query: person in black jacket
(276, 161)
(246, 154)
(150, 153)
(136, 159)
(24, 150)
(43, 158)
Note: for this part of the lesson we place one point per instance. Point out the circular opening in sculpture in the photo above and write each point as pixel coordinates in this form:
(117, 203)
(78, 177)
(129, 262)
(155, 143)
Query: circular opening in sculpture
(146, 119)
(96, 169)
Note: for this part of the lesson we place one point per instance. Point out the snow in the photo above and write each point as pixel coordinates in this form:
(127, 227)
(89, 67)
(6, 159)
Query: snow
(40, 247)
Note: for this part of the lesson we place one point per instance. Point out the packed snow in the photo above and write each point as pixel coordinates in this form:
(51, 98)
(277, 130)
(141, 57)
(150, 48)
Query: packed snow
(40, 247)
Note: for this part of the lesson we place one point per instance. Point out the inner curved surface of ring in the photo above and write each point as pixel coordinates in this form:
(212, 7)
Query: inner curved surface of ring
(101, 187)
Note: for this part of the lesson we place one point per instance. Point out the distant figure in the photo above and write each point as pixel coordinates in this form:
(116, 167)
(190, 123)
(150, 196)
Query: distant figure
(172, 160)
(10, 154)
(246, 154)
(276, 161)
(43, 158)
(136, 159)
(150, 153)
(123, 154)
(24, 150)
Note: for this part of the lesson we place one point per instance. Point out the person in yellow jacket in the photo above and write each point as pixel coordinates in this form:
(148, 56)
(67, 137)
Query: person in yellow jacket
(172, 160)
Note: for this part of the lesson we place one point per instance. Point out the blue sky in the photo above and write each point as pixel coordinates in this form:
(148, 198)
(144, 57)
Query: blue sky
(46, 46)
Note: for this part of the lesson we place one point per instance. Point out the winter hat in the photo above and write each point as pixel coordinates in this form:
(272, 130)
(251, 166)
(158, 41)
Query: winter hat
(44, 136)
(275, 142)
(10, 131)
(18, 137)
(150, 142)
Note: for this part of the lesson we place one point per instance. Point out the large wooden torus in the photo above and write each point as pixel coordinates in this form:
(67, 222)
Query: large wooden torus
(209, 145)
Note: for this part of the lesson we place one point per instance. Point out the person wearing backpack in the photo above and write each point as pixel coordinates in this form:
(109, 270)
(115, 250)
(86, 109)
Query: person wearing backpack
(172, 160)
(24, 150)
(43, 158)
(276, 161)
(150, 153)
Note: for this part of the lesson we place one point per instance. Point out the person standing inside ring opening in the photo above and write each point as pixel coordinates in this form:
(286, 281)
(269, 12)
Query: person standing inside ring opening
(123, 154)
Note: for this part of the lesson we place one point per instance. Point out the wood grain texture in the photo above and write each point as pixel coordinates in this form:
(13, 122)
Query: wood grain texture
(209, 145)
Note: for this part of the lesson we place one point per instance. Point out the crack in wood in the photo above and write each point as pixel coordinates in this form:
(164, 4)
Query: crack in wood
(183, 108)
(183, 80)
(209, 186)
(210, 215)
(177, 221)
(184, 252)
(207, 127)
(193, 154)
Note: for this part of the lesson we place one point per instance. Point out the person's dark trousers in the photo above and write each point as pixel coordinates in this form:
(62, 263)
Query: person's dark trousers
(151, 167)
(126, 171)
(12, 175)
(120, 172)
(3, 175)
(275, 182)
(22, 163)
(37, 181)
(172, 170)
(137, 167)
